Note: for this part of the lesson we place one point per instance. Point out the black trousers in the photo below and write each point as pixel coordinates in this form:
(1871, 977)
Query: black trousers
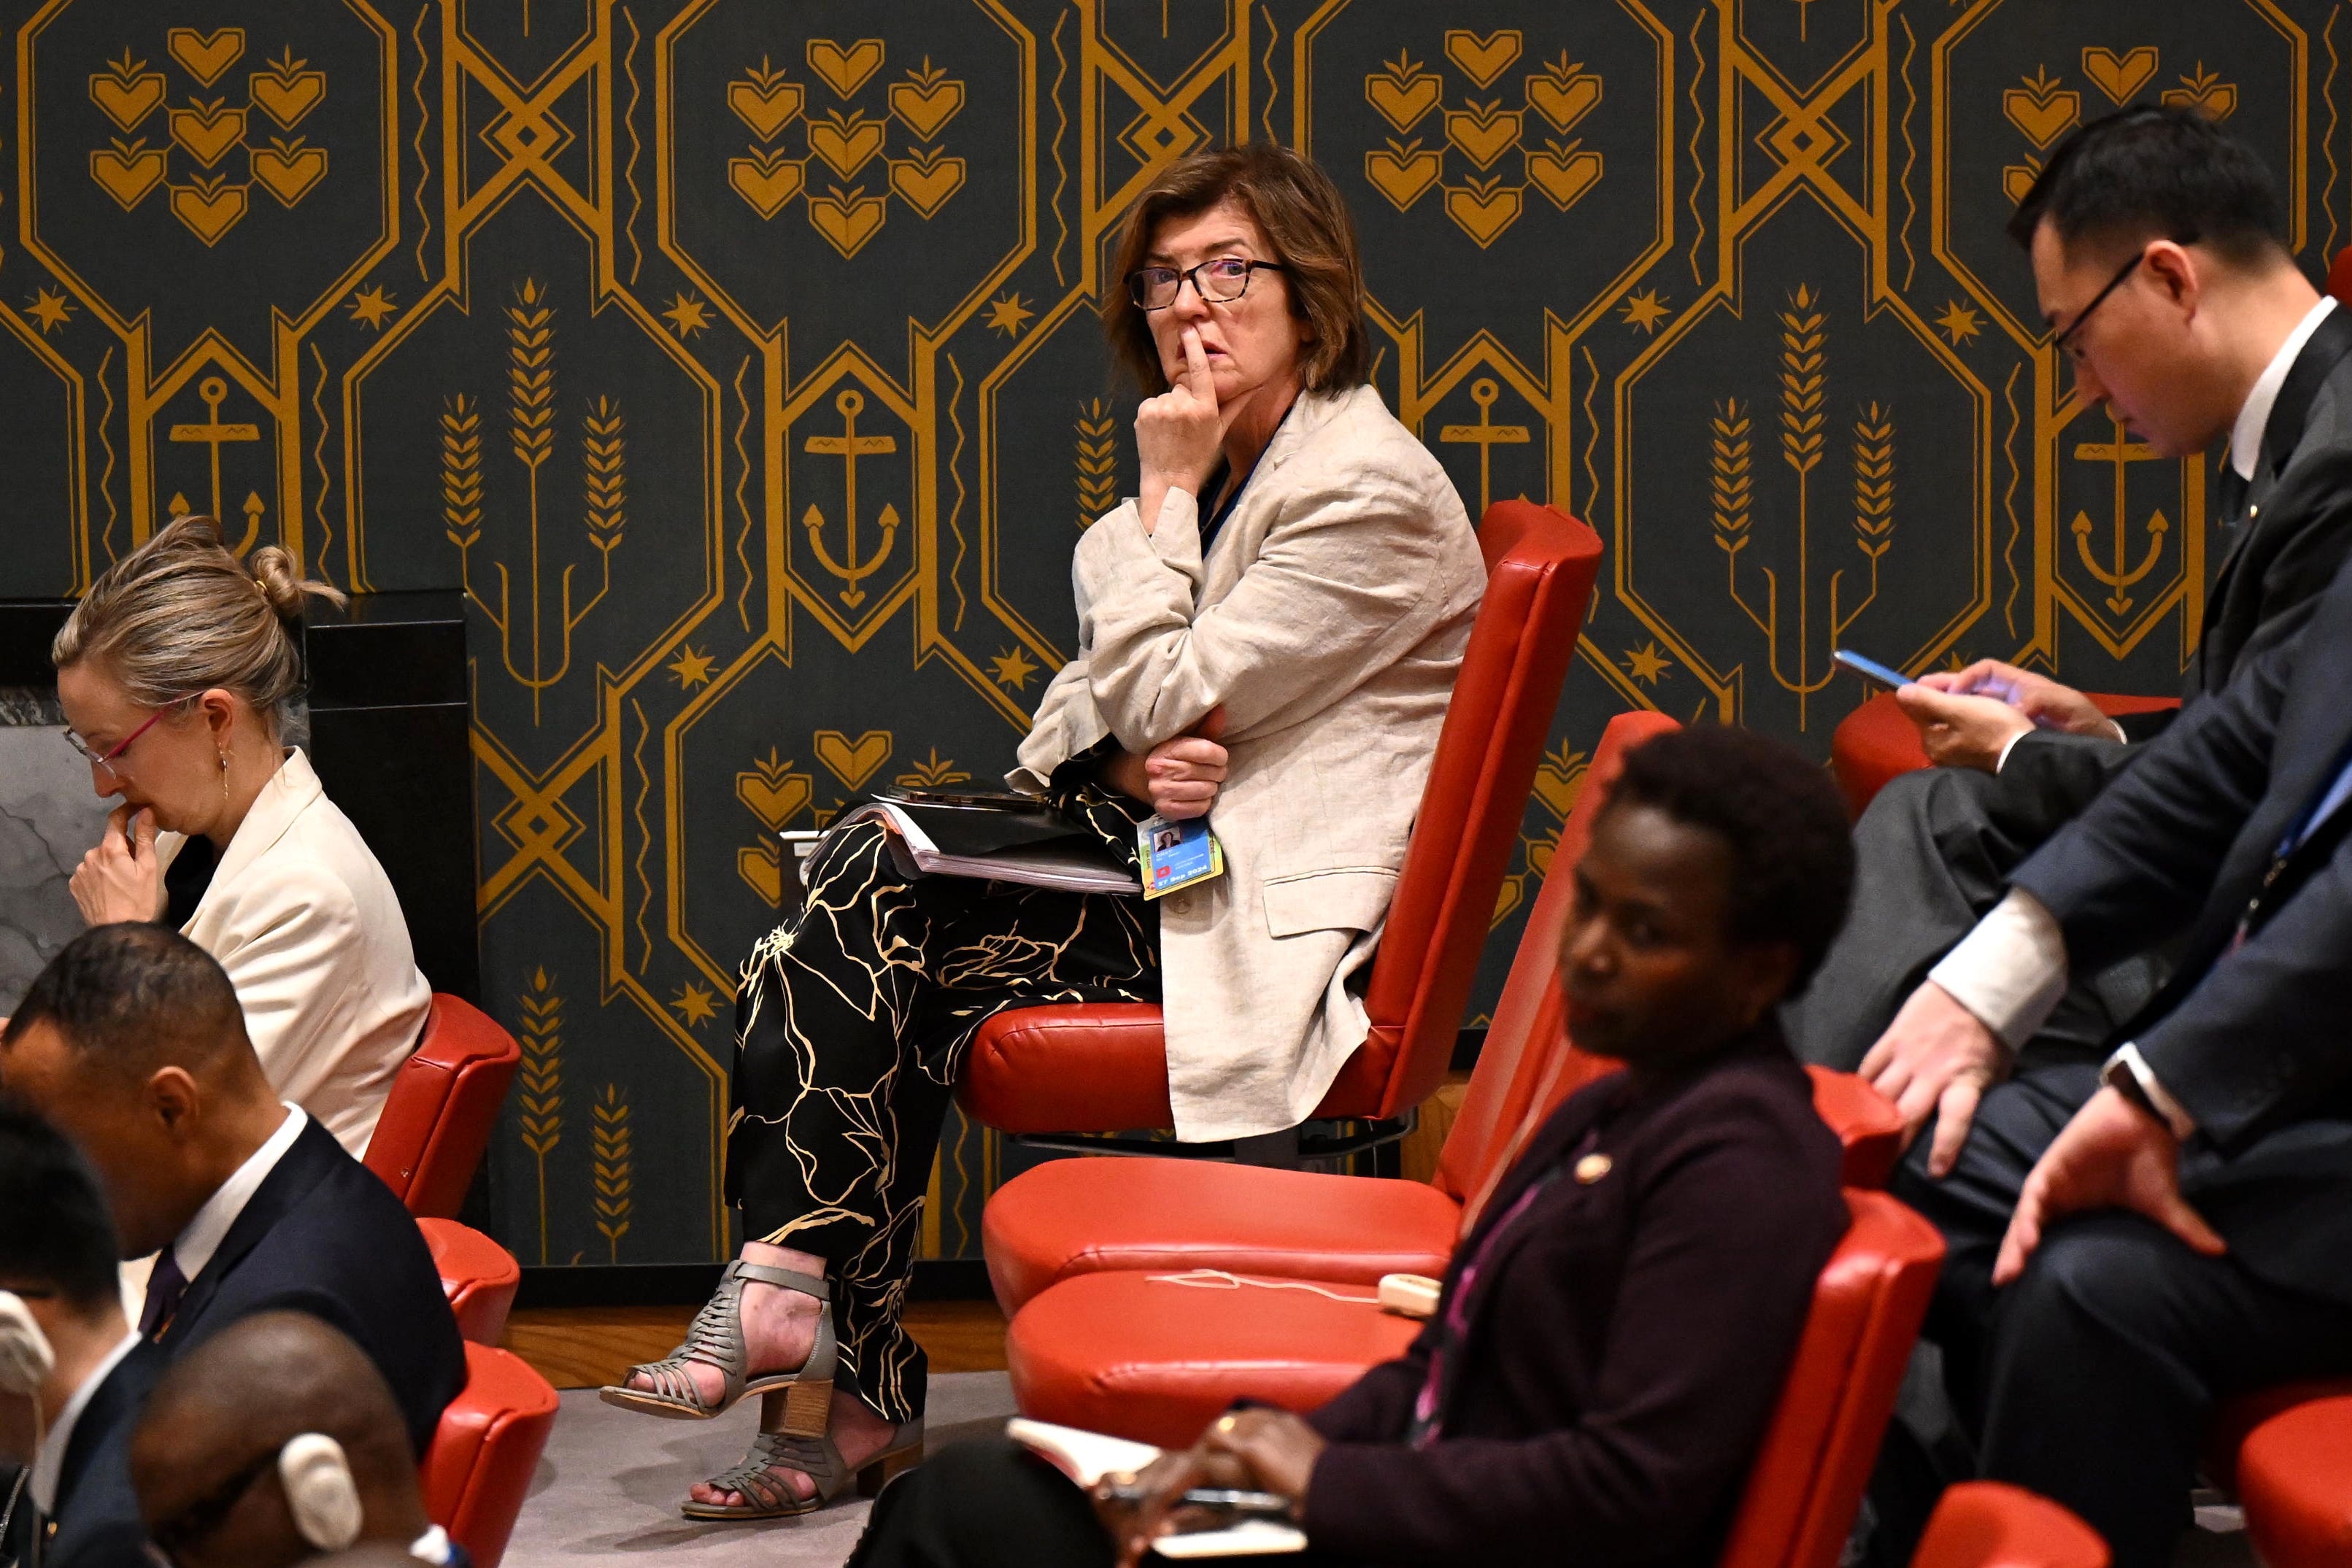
(991, 1503)
(2091, 1377)
(1932, 855)
(851, 1024)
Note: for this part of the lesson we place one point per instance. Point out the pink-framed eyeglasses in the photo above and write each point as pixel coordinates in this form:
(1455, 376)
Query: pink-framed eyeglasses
(107, 761)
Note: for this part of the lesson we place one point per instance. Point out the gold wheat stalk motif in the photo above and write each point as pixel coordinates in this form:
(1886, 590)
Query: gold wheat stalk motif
(531, 422)
(539, 1082)
(1098, 460)
(611, 1137)
(1874, 505)
(604, 461)
(1803, 441)
(461, 488)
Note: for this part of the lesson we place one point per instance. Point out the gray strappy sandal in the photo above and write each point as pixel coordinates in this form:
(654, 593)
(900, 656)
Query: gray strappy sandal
(764, 1497)
(715, 1338)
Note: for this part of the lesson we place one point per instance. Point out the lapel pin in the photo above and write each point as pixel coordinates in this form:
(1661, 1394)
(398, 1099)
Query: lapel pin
(1591, 1168)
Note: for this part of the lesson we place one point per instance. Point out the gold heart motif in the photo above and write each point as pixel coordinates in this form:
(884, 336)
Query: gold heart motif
(128, 175)
(128, 101)
(2215, 100)
(1506, 898)
(2042, 121)
(1483, 59)
(287, 99)
(1483, 135)
(927, 188)
(1540, 856)
(762, 866)
(1402, 175)
(2018, 179)
(852, 761)
(208, 214)
(1403, 103)
(847, 144)
(1483, 214)
(766, 111)
(2119, 76)
(767, 182)
(1563, 102)
(205, 56)
(288, 172)
(1564, 179)
(845, 70)
(847, 218)
(774, 799)
(208, 133)
(926, 110)
(1558, 788)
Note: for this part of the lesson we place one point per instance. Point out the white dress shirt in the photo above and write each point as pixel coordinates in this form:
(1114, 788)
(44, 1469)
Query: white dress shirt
(50, 1460)
(2010, 971)
(202, 1235)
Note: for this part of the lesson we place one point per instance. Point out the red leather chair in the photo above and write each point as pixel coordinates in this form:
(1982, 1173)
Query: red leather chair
(1071, 1218)
(2295, 1479)
(477, 1275)
(1990, 1524)
(443, 1105)
(1874, 742)
(1137, 1355)
(1104, 1067)
(478, 1469)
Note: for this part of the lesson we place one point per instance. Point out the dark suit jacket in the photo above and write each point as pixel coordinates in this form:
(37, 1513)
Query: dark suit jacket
(2254, 1041)
(323, 1235)
(97, 1515)
(1627, 1341)
(2281, 558)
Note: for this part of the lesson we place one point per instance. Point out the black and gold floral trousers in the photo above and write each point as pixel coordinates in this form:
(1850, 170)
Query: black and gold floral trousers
(851, 1024)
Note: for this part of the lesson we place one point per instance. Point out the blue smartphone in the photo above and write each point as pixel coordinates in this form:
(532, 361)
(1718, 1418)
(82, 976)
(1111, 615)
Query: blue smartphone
(1871, 669)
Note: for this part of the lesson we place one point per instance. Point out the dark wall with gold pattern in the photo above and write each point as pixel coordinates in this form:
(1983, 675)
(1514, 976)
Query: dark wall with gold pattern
(739, 361)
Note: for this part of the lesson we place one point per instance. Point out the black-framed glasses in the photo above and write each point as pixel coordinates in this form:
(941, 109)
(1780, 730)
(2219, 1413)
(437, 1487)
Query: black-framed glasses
(1225, 279)
(2065, 342)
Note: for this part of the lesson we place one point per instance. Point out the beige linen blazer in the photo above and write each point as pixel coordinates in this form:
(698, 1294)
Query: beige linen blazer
(302, 917)
(1329, 618)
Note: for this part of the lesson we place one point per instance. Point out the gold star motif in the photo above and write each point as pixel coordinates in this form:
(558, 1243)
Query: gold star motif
(50, 308)
(1646, 311)
(692, 668)
(1006, 315)
(1646, 663)
(1959, 322)
(372, 307)
(686, 314)
(1013, 669)
(695, 1005)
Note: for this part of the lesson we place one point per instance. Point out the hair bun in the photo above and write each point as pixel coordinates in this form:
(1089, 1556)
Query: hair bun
(284, 586)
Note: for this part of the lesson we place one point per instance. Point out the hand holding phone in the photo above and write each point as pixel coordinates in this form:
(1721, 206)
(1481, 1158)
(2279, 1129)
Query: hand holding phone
(1871, 669)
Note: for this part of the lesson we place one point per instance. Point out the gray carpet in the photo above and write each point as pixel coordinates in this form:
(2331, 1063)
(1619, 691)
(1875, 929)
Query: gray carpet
(610, 1484)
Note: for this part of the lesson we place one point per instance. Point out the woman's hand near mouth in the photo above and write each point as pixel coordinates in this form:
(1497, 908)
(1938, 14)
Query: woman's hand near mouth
(1177, 434)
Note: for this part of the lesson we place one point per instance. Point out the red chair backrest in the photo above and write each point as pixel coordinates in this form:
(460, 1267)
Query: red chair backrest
(1540, 566)
(1867, 1124)
(1992, 1524)
(1799, 1499)
(2339, 276)
(443, 1106)
(1526, 1067)
(479, 1467)
(477, 1275)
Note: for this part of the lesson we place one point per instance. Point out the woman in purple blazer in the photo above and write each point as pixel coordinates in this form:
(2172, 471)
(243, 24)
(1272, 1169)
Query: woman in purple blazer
(1615, 1329)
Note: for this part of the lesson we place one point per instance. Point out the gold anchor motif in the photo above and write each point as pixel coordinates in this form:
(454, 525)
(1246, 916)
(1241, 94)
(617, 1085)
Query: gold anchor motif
(850, 447)
(215, 435)
(1484, 434)
(2120, 454)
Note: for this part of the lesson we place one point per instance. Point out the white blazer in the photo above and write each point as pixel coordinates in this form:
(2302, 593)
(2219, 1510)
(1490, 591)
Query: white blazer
(1329, 619)
(302, 917)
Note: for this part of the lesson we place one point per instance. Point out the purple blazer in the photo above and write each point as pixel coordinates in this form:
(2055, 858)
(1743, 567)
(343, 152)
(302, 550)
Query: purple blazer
(1625, 1341)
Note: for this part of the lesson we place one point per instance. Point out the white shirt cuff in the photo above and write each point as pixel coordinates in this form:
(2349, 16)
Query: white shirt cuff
(2010, 971)
(2176, 1116)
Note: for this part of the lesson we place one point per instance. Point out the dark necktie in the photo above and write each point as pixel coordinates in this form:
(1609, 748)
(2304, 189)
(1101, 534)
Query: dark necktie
(2230, 496)
(165, 1287)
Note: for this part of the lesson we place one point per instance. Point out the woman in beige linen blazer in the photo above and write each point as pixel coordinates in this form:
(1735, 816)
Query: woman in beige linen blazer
(1268, 632)
(172, 672)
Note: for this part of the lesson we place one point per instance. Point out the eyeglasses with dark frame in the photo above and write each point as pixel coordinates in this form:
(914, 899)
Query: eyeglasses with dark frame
(1223, 279)
(2065, 342)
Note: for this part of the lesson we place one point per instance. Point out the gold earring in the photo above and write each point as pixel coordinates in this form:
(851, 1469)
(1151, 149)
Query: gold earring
(223, 760)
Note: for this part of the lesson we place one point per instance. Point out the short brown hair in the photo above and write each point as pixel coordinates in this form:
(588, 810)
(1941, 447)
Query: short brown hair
(1304, 219)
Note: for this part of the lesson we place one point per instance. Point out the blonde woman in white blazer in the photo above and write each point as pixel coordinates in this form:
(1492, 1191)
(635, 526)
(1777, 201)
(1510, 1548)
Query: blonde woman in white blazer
(172, 672)
(1270, 628)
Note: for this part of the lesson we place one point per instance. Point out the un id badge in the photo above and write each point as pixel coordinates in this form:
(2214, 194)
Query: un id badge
(1174, 855)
